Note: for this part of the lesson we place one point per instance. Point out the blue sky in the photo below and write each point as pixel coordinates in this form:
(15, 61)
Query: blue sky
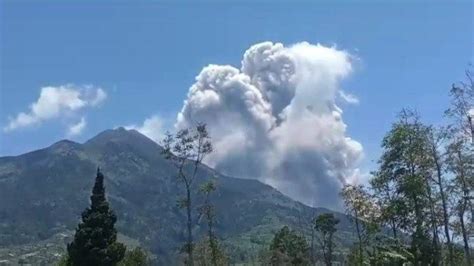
(146, 54)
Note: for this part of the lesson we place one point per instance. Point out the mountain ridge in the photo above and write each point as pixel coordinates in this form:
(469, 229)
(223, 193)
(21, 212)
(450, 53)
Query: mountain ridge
(44, 191)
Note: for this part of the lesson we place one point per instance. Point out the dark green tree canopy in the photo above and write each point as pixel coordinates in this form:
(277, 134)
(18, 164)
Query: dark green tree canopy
(135, 257)
(95, 241)
(288, 248)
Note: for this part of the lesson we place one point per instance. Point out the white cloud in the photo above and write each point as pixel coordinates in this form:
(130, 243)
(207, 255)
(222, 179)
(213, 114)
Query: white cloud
(275, 119)
(348, 98)
(54, 102)
(77, 128)
(152, 128)
(471, 112)
(95, 96)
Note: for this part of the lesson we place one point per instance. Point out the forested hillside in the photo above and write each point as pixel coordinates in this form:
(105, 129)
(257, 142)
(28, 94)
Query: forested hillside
(44, 192)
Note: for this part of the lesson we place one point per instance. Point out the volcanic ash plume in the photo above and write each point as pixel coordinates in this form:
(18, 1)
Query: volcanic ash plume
(276, 119)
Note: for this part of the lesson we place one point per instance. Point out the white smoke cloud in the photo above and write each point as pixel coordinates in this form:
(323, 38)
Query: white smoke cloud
(77, 128)
(57, 101)
(152, 127)
(276, 119)
(348, 98)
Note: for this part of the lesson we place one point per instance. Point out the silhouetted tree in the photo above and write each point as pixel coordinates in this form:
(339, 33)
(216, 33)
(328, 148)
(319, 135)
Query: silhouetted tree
(95, 241)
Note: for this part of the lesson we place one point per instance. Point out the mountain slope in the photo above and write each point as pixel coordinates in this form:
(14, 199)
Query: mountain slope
(44, 192)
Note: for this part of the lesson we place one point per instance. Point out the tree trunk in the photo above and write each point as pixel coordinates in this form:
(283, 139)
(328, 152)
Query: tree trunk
(189, 226)
(394, 228)
(464, 234)
(212, 238)
(444, 205)
(312, 246)
(434, 225)
(361, 259)
(469, 119)
(212, 243)
(392, 220)
(464, 202)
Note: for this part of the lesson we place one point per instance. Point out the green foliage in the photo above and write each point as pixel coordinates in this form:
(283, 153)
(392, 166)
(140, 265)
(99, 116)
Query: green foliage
(95, 240)
(391, 254)
(404, 173)
(365, 216)
(385, 251)
(326, 224)
(135, 257)
(64, 261)
(207, 253)
(288, 248)
(208, 211)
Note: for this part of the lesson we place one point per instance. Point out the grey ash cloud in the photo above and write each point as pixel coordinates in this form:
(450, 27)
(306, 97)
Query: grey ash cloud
(277, 119)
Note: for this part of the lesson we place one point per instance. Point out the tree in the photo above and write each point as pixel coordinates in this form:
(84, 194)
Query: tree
(95, 240)
(461, 164)
(187, 149)
(208, 211)
(462, 107)
(374, 246)
(64, 261)
(389, 251)
(460, 153)
(388, 198)
(360, 208)
(325, 224)
(205, 256)
(288, 248)
(135, 257)
(436, 139)
(406, 167)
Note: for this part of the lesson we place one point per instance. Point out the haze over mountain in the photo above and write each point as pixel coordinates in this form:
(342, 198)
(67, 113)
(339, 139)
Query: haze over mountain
(44, 192)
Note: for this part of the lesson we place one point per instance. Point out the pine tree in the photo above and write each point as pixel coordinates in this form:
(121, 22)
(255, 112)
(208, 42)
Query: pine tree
(95, 241)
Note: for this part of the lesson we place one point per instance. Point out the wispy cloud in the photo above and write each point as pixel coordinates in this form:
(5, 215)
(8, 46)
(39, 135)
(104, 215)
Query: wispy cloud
(348, 98)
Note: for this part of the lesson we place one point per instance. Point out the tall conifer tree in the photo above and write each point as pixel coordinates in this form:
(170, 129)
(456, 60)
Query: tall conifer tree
(95, 241)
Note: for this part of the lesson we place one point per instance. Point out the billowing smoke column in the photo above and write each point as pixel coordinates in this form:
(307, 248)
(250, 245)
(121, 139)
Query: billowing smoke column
(275, 119)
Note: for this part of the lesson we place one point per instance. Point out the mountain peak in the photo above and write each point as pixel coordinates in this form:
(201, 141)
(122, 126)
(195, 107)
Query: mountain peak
(120, 135)
(65, 144)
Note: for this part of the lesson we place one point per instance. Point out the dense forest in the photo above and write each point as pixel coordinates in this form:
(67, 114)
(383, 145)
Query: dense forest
(415, 210)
